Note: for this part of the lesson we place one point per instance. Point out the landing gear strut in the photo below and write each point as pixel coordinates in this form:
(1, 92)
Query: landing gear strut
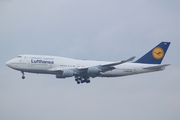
(81, 80)
(23, 77)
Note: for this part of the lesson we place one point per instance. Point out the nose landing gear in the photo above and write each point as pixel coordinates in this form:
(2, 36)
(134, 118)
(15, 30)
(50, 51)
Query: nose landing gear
(23, 77)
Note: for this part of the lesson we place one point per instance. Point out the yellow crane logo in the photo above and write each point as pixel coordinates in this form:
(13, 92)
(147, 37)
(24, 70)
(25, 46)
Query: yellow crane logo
(158, 53)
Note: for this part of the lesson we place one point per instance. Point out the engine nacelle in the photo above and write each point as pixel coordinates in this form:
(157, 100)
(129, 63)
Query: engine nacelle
(93, 71)
(66, 73)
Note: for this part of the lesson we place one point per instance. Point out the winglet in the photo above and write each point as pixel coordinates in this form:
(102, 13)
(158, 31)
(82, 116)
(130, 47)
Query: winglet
(130, 59)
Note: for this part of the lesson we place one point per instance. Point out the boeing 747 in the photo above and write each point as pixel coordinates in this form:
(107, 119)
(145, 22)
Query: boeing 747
(83, 70)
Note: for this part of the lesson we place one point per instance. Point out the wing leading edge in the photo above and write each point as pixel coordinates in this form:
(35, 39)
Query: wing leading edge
(118, 63)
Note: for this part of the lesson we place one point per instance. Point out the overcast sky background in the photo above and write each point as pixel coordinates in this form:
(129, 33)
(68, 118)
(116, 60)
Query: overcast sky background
(109, 30)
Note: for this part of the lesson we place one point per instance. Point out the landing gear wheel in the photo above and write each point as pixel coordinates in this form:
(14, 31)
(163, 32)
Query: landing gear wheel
(88, 81)
(23, 77)
(78, 82)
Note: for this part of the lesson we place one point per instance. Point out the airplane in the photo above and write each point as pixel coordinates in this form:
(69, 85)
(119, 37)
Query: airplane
(83, 70)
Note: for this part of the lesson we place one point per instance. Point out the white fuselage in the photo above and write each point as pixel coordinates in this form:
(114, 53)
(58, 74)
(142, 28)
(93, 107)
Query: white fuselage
(43, 65)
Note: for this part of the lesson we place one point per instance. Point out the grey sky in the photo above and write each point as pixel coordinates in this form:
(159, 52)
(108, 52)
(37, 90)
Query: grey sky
(99, 30)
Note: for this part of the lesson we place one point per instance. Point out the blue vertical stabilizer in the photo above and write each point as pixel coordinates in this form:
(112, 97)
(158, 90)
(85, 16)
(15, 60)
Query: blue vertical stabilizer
(156, 55)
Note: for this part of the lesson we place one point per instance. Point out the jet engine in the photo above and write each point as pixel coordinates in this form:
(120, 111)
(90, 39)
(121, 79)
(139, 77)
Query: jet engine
(93, 71)
(66, 73)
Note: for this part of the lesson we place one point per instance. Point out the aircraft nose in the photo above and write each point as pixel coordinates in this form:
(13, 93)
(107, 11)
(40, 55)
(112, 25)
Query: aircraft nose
(8, 63)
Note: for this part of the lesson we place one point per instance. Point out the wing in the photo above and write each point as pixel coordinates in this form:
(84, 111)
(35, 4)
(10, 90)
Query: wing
(117, 63)
(90, 71)
(109, 66)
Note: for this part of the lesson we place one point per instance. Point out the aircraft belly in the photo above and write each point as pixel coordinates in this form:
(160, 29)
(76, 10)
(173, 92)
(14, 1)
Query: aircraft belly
(39, 71)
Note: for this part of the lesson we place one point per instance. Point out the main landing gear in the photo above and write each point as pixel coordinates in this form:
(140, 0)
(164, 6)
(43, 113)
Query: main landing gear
(23, 77)
(81, 80)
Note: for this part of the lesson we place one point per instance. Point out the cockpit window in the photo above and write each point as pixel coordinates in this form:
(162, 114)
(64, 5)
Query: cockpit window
(19, 56)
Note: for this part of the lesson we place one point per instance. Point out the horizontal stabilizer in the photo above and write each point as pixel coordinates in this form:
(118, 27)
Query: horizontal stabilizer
(157, 67)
